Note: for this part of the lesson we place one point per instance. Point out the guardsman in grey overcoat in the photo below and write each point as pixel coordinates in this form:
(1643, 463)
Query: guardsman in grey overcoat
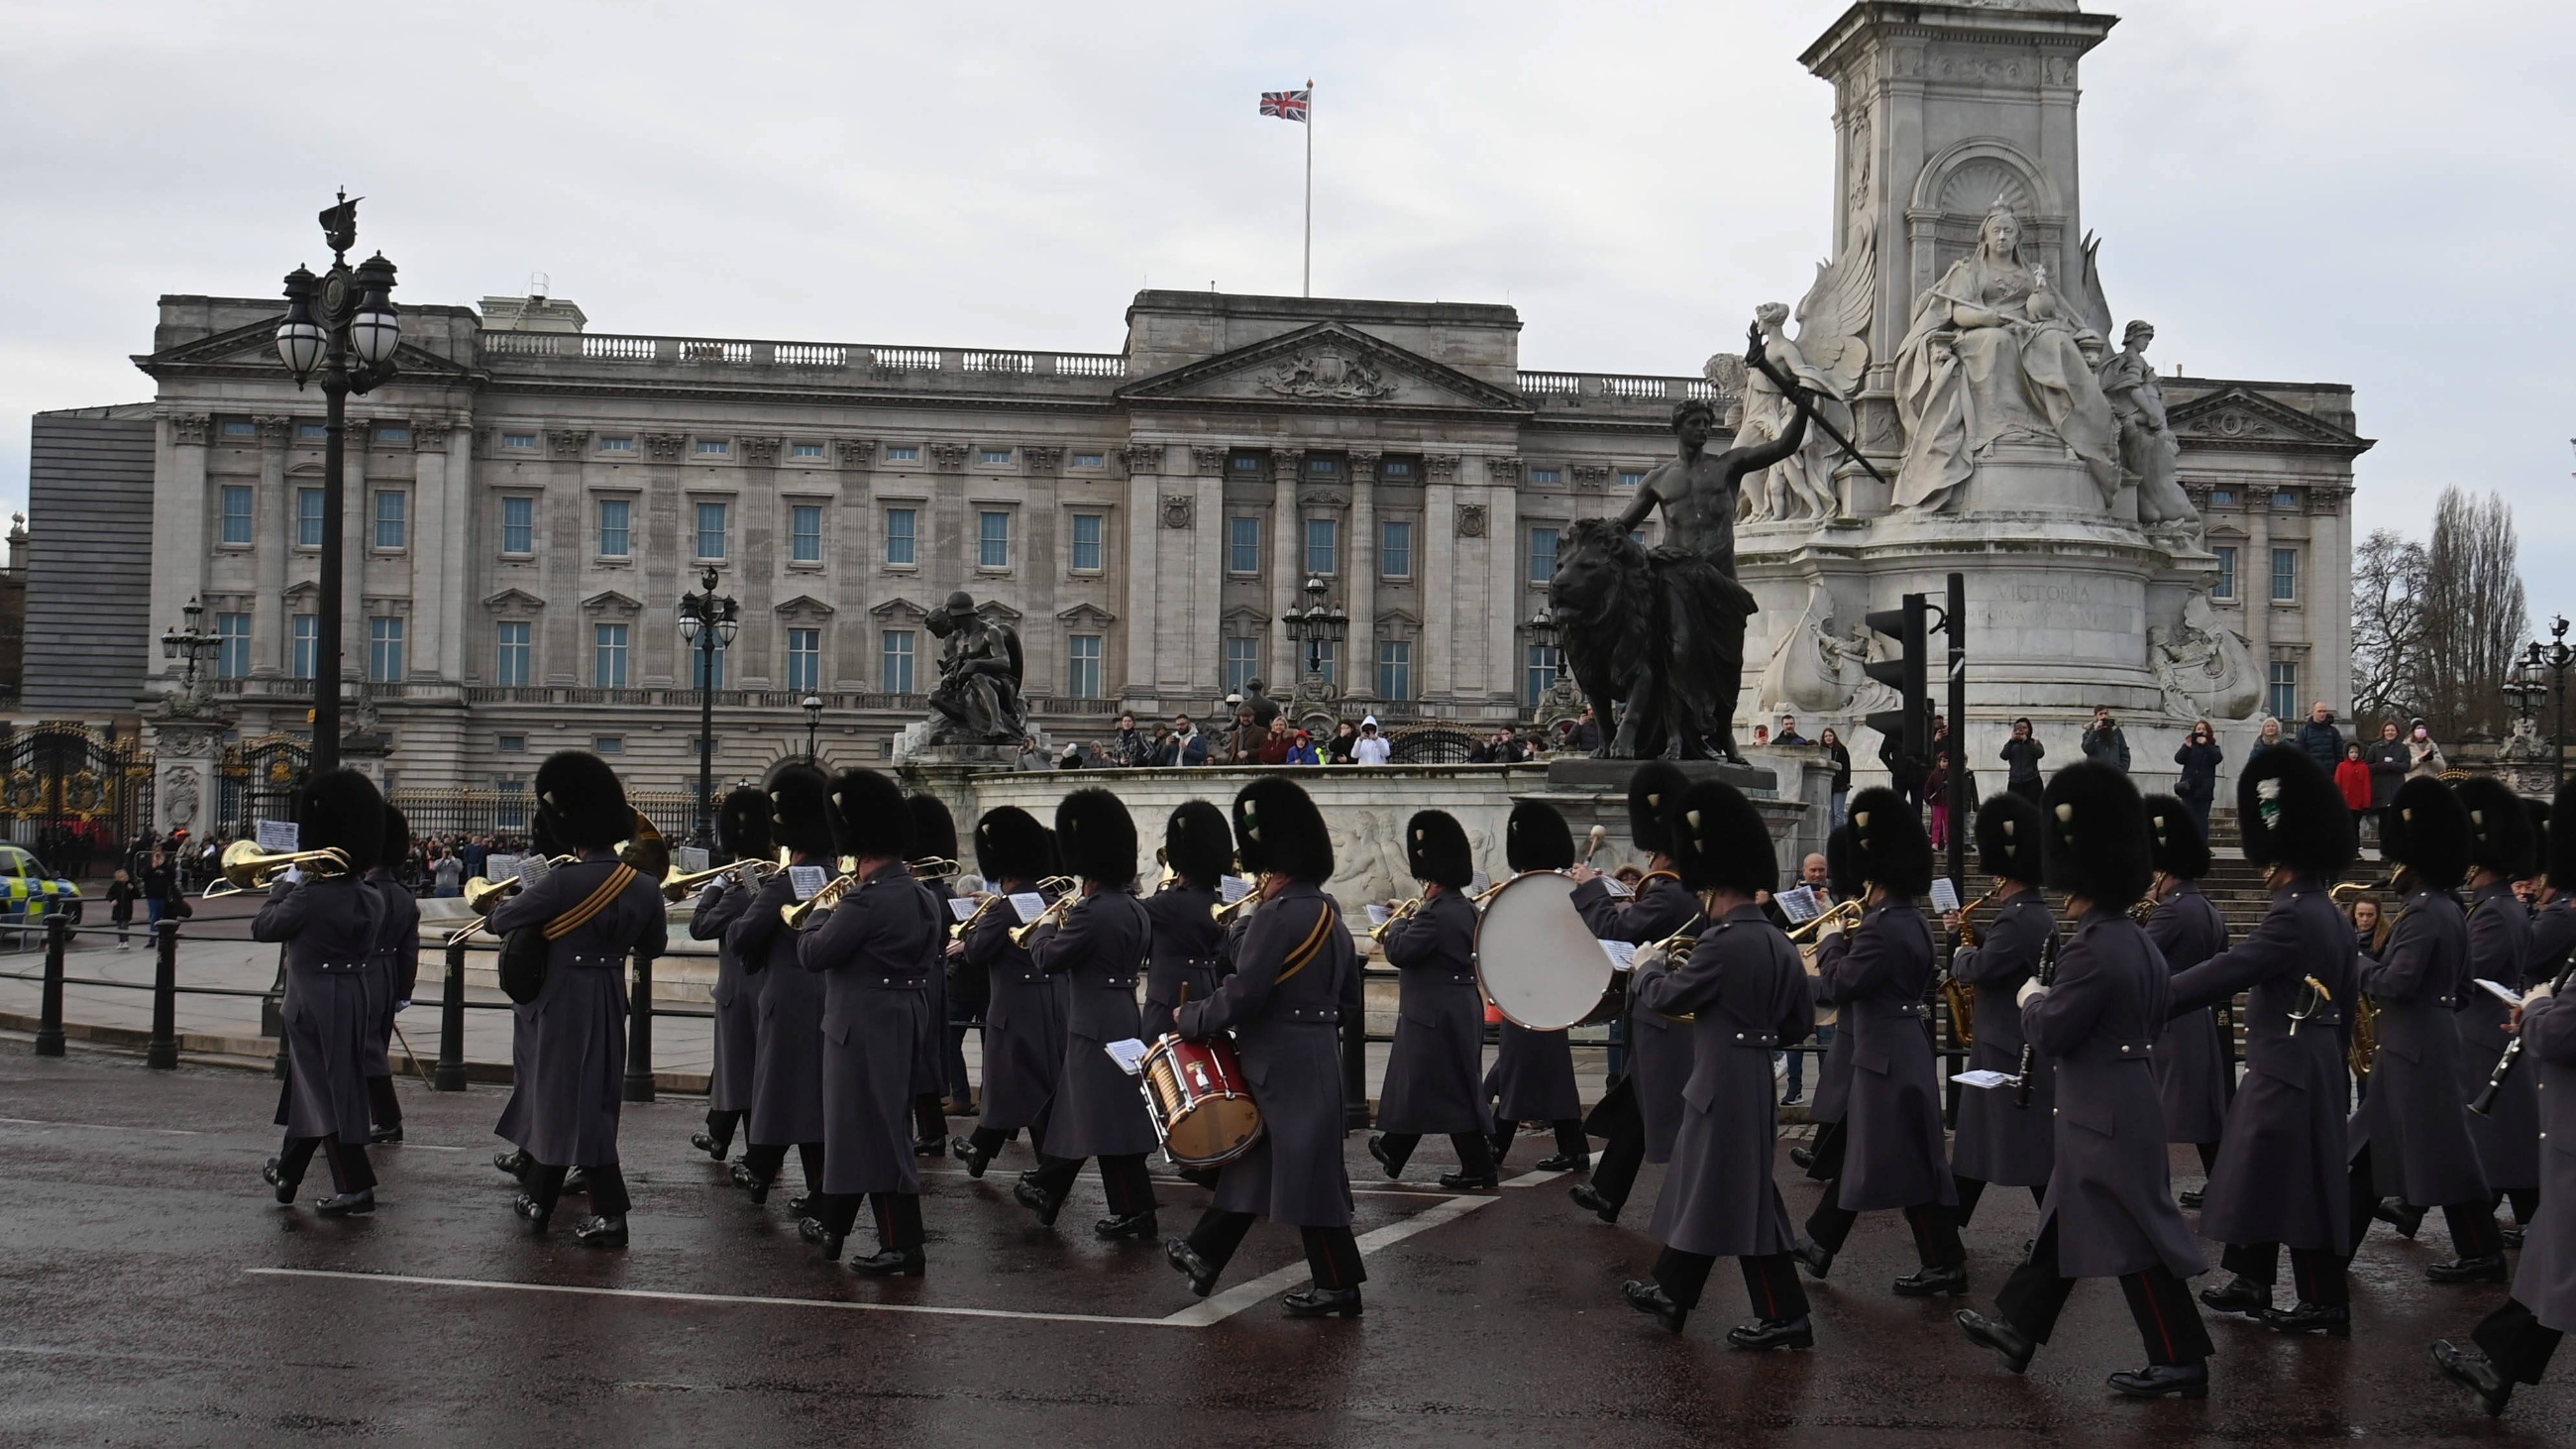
(1999, 1142)
(1434, 1070)
(393, 973)
(1642, 1110)
(1746, 993)
(1197, 845)
(742, 834)
(1879, 973)
(2110, 1210)
(2515, 1342)
(1296, 979)
(934, 837)
(874, 952)
(1822, 1157)
(1097, 946)
(577, 1069)
(1532, 1079)
(330, 924)
(787, 1071)
(2191, 1067)
(2410, 1139)
(2504, 849)
(2281, 1179)
(1024, 1021)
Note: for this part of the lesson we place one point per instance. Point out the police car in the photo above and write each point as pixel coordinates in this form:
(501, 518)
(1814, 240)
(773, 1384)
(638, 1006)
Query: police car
(30, 889)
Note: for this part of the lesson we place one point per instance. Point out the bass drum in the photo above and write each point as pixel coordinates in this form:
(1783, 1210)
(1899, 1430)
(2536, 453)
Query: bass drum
(1539, 964)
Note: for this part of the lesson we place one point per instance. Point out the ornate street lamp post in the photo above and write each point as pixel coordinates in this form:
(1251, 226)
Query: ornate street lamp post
(189, 644)
(707, 624)
(342, 330)
(2556, 657)
(813, 720)
(1562, 699)
(1319, 626)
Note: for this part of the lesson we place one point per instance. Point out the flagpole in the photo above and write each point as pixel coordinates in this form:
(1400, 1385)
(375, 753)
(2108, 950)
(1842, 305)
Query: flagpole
(1310, 187)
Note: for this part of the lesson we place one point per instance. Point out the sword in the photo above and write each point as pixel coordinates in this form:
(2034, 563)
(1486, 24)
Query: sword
(415, 1056)
(1756, 355)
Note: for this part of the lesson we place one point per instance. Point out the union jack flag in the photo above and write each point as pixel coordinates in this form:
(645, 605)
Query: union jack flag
(1286, 105)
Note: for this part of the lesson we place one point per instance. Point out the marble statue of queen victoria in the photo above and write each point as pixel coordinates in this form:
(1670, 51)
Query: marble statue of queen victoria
(1994, 355)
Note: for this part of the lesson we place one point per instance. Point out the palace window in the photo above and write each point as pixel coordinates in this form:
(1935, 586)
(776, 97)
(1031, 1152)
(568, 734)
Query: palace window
(518, 440)
(2285, 499)
(1631, 477)
(236, 508)
(899, 525)
(1243, 545)
(2225, 588)
(1086, 543)
(903, 455)
(1538, 673)
(707, 666)
(1323, 545)
(313, 430)
(393, 520)
(1547, 475)
(2222, 497)
(385, 648)
(608, 655)
(1086, 460)
(1395, 469)
(894, 653)
(616, 528)
(1082, 666)
(1395, 668)
(992, 540)
(1542, 555)
(511, 648)
(804, 659)
(617, 445)
(307, 638)
(806, 450)
(714, 448)
(518, 525)
(994, 455)
(1395, 550)
(805, 533)
(2285, 575)
(232, 651)
(711, 530)
(240, 428)
(2281, 697)
(393, 435)
(608, 744)
(1242, 663)
(308, 518)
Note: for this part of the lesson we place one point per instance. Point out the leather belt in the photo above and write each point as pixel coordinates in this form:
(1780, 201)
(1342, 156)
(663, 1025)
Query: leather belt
(1126, 983)
(1328, 1015)
(1762, 1039)
(338, 968)
(897, 983)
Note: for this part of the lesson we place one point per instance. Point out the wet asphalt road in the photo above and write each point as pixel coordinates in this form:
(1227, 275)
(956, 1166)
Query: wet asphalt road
(140, 1304)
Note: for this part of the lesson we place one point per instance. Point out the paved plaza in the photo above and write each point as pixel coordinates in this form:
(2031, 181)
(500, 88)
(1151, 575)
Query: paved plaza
(156, 1295)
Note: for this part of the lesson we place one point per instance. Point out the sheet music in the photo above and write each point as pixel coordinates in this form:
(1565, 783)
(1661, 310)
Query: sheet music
(1617, 888)
(1232, 888)
(532, 868)
(1622, 954)
(1799, 905)
(692, 859)
(1984, 1078)
(805, 880)
(1029, 904)
(2500, 992)
(1128, 1054)
(961, 907)
(1378, 915)
(278, 837)
(1945, 896)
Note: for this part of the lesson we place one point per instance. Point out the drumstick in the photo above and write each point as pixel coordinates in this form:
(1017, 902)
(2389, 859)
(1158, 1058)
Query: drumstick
(1593, 842)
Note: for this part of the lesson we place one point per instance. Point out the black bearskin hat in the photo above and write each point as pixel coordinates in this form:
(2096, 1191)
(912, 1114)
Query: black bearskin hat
(742, 826)
(2008, 837)
(1537, 838)
(2560, 851)
(341, 810)
(1436, 850)
(800, 810)
(1197, 844)
(580, 802)
(2094, 834)
(2289, 815)
(869, 817)
(2176, 844)
(1718, 840)
(1651, 792)
(1278, 830)
(934, 830)
(2427, 831)
(397, 840)
(2500, 834)
(645, 849)
(1098, 836)
(1010, 844)
(2540, 813)
(1842, 878)
(1889, 848)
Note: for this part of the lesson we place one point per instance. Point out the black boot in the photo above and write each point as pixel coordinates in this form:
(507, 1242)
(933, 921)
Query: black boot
(801, 1206)
(1771, 1333)
(2489, 1269)
(2512, 1236)
(891, 1263)
(933, 1146)
(2164, 1381)
(813, 1231)
(577, 1182)
(1470, 1182)
(608, 1230)
(1322, 1303)
(2242, 1296)
(1803, 1157)
(1814, 1259)
(752, 1183)
(2400, 1216)
(1566, 1162)
(2190, 1198)
(1377, 1149)
(1135, 1225)
(2471, 1371)
(966, 1152)
(1033, 1197)
(533, 1212)
(359, 1204)
(1589, 1198)
(2308, 1318)
(1651, 1300)
(514, 1163)
(276, 1178)
(705, 1142)
(1944, 1280)
(1187, 1262)
(389, 1135)
(2002, 1337)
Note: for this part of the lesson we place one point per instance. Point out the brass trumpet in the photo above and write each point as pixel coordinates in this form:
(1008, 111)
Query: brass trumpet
(1377, 932)
(676, 887)
(1163, 858)
(797, 913)
(247, 868)
(984, 904)
(1022, 935)
(1224, 914)
(1845, 914)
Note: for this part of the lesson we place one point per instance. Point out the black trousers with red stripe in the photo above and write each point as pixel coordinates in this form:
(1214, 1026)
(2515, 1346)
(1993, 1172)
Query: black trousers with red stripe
(2518, 1344)
(898, 1216)
(2317, 1272)
(1332, 1254)
(2168, 1320)
(1936, 1228)
(350, 1170)
(2474, 1233)
(1770, 1282)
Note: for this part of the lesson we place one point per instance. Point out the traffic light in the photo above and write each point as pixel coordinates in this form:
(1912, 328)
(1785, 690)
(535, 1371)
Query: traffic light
(1909, 674)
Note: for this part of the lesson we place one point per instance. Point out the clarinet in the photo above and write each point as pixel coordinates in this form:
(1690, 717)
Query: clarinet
(2030, 1049)
(2484, 1106)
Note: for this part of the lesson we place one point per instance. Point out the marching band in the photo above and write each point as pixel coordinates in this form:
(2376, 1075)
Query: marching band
(1116, 1022)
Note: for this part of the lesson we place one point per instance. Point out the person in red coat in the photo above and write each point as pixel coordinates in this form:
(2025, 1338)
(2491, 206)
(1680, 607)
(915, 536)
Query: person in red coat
(2352, 779)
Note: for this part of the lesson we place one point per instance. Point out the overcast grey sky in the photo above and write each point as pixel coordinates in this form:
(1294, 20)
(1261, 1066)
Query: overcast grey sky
(2352, 190)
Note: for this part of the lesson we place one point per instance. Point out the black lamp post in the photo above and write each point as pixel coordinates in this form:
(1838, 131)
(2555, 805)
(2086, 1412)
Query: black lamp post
(341, 328)
(813, 720)
(707, 623)
(2556, 657)
(190, 644)
(1317, 626)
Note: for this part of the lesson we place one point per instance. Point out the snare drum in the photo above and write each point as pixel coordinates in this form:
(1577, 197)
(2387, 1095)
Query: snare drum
(1194, 1092)
(1538, 962)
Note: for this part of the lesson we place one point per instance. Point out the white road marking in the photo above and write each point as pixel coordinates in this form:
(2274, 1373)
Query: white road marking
(1533, 1179)
(100, 1127)
(1225, 1305)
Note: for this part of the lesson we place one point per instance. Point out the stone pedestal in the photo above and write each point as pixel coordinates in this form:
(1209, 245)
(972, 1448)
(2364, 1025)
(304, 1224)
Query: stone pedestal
(186, 741)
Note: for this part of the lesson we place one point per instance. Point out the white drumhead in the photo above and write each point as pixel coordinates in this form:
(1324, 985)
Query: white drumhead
(1539, 964)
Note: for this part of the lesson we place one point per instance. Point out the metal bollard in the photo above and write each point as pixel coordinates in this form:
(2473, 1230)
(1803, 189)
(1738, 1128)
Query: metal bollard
(639, 1033)
(450, 1076)
(49, 1014)
(164, 1049)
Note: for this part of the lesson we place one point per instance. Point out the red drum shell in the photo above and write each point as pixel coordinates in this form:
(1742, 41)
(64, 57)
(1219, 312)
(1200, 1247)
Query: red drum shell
(1194, 1090)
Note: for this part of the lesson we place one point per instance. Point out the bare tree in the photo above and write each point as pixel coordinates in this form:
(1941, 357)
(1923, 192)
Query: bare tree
(2473, 615)
(2387, 629)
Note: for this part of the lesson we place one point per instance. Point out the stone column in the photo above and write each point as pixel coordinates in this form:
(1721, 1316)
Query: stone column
(1510, 599)
(179, 543)
(184, 748)
(1359, 575)
(1202, 632)
(1142, 625)
(1288, 563)
(446, 565)
(1438, 566)
(2254, 586)
(270, 546)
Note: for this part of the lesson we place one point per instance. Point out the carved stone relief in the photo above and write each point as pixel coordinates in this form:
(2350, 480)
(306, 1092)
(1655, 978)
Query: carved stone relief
(567, 442)
(664, 447)
(1179, 510)
(762, 452)
(948, 457)
(1471, 520)
(1328, 372)
(1210, 462)
(192, 428)
(858, 452)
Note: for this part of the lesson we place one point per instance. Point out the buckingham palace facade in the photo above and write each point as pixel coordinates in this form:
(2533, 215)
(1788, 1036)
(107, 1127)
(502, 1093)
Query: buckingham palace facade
(528, 500)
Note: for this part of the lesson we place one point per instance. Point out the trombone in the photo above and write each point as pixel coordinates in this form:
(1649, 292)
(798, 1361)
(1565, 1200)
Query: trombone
(246, 867)
(1842, 914)
(932, 867)
(482, 894)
